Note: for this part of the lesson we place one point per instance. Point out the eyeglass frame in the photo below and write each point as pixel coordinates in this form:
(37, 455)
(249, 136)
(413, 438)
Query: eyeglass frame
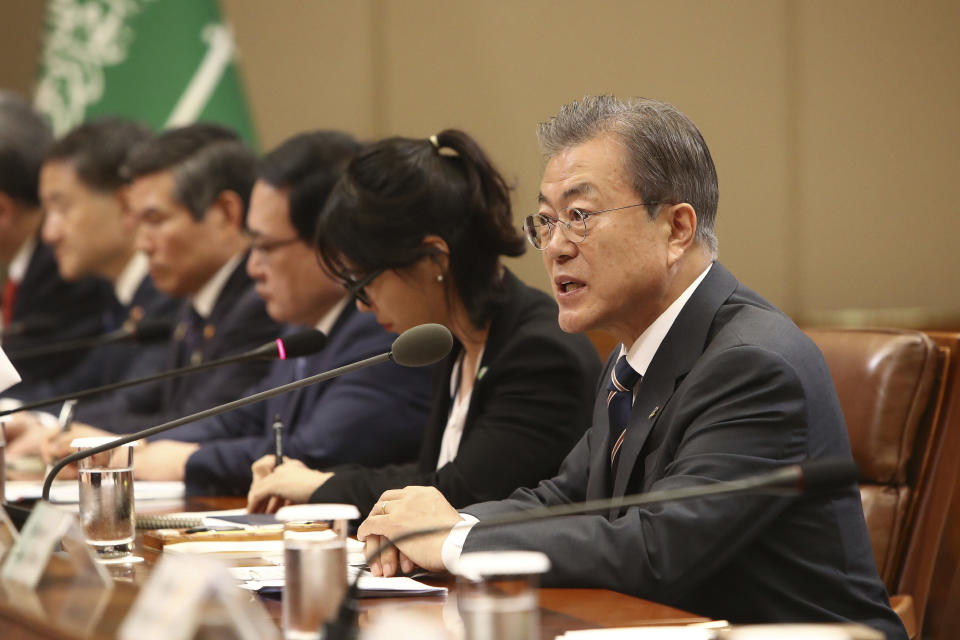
(552, 221)
(267, 247)
(356, 287)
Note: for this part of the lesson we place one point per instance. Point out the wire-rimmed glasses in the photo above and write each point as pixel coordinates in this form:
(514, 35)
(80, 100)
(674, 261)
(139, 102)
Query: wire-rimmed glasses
(539, 227)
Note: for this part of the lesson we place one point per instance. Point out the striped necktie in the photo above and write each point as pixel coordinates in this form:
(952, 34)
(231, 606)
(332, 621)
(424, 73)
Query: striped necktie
(619, 402)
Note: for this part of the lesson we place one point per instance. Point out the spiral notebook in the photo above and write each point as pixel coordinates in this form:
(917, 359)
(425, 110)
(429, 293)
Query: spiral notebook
(183, 520)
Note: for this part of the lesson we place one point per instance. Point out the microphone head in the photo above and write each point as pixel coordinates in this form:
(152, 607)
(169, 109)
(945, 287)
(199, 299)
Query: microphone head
(827, 474)
(422, 345)
(302, 343)
(152, 330)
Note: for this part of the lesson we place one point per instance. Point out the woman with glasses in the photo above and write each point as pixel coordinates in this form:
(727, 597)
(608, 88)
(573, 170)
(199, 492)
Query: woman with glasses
(416, 229)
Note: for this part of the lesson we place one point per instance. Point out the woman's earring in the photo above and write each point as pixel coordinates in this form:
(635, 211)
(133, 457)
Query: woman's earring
(439, 277)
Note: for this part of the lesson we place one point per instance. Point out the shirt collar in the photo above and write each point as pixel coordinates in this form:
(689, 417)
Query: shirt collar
(130, 278)
(642, 351)
(18, 266)
(330, 317)
(205, 299)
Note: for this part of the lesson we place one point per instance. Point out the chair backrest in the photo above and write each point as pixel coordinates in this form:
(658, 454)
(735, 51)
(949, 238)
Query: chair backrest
(931, 571)
(890, 384)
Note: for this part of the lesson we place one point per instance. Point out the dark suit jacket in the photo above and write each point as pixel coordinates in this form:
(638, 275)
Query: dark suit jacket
(529, 405)
(373, 416)
(735, 389)
(66, 310)
(115, 362)
(238, 322)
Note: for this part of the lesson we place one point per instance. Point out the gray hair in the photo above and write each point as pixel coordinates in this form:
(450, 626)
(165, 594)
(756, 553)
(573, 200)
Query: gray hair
(667, 157)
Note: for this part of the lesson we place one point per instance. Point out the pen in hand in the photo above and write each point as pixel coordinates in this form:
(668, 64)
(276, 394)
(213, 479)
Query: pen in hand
(278, 439)
(66, 414)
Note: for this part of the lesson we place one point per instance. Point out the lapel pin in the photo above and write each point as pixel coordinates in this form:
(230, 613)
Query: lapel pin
(481, 372)
(654, 412)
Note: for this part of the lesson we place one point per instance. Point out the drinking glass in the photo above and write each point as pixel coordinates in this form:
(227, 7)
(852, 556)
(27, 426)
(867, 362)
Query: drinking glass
(497, 594)
(106, 499)
(315, 559)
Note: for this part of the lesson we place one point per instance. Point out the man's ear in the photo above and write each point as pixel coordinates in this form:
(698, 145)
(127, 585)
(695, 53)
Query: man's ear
(683, 228)
(230, 206)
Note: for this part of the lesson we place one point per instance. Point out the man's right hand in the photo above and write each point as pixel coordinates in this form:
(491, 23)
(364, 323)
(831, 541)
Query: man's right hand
(25, 435)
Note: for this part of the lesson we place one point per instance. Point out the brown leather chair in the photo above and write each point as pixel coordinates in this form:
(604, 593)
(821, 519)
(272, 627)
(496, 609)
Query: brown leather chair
(933, 552)
(890, 383)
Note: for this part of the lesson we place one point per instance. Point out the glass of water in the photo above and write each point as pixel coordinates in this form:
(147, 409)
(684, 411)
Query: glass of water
(497, 594)
(315, 561)
(106, 499)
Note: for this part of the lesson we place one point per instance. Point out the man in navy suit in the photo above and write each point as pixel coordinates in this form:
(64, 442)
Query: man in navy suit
(38, 306)
(374, 416)
(710, 383)
(189, 191)
(89, 228)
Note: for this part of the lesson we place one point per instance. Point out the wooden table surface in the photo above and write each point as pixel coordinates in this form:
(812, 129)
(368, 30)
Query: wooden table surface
(62, 609)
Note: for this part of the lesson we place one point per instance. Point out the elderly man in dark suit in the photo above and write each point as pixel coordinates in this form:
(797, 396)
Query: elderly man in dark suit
(710, 383)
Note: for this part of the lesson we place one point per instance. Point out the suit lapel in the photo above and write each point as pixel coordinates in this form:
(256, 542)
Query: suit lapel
(679, 351)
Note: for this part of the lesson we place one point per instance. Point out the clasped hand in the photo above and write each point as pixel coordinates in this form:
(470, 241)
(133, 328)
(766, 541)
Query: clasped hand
(402, 511)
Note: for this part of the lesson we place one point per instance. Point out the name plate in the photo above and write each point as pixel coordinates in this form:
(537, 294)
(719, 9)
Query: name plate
(186, 593)
(44, 530)
(8, 534)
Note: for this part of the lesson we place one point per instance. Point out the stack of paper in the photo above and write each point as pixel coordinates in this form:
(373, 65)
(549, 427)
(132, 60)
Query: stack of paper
(271, 578)
(68, 491)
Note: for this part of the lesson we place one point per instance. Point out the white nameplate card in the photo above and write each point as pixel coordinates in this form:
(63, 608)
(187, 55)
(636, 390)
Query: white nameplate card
(187, 592)
(46, 528)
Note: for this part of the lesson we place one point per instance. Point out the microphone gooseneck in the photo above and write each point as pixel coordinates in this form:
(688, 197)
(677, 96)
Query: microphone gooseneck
(809, 477)
(38, 325)
(306, 342)
(422, 345)
(236, 404)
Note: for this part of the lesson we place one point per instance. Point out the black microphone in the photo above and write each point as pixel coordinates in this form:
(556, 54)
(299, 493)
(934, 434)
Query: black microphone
(417, 347)
(293, 346)
(146, 331)
(812, 476)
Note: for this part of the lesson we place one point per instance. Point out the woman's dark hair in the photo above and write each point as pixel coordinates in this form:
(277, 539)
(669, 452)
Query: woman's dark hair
(397, 191)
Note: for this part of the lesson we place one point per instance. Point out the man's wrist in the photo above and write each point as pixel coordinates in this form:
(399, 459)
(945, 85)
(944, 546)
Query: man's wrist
(453, 544)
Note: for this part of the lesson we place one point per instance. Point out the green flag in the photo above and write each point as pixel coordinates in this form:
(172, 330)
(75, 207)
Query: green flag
(163, 62)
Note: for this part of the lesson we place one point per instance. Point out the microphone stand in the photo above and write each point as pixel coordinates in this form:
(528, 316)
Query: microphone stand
(223, 408)
(129, 383)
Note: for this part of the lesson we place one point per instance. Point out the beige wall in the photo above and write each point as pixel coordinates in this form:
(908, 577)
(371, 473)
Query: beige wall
(833, 124)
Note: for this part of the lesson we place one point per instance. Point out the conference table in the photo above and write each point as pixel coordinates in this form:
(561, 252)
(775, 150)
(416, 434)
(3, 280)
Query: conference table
(59, 609)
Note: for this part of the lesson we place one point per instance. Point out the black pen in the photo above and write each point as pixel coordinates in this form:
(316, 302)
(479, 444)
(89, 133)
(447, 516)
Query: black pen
(278, 439)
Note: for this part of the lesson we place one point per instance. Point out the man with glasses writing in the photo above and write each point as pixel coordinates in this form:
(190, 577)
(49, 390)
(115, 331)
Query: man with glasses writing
(710, 383)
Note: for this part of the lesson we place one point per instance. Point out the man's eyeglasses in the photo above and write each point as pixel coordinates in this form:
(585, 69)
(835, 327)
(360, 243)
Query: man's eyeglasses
(539, 227)
(265, 246)
(357, 288)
